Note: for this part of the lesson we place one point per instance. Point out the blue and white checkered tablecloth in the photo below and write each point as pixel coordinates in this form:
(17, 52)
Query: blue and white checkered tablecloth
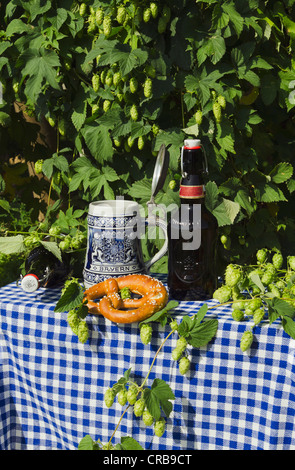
(52, 386)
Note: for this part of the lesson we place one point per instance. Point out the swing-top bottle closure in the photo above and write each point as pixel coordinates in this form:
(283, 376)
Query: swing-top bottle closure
(30, 283)
(192, 191)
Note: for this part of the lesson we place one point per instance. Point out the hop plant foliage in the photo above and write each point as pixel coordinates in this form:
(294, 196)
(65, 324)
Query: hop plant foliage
(262, 292)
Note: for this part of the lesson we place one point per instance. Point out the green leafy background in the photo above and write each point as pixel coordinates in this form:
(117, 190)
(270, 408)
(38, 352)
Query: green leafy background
(92, 144)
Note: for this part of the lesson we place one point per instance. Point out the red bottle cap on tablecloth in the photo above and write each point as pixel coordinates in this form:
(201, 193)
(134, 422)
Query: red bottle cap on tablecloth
(30, 283)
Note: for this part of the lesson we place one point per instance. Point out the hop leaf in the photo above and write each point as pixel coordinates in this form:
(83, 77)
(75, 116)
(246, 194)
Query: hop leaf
(162, 23)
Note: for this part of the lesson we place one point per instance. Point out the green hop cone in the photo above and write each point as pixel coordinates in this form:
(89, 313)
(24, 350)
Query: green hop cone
(133, 84)
(99, 14)
(166, 13)
(217, 111)
(107, 26)
(121, 15)
(173, 325)
(134, 112)
(38, 166)
(140, 142)
(148, 87)
(83, 332)
(267, 278)
(159, 427)
(146, 333)
(246, 340)
(232, 276)
(172, 184)
(162, 24)
(122, 397)
(106, 105)
(291, 261)
(83, 9)
(222, 294)
(258, 315)
(109, 397)
(261, 255)
(139, 407)
(222, 101)
(181, 344)
(279, 284)
(147, 15)
(132, 394)
(184, 365)
(147, 418)
(125, 293)
(154, 9)
(73, 321)
(277, 260)
(254, 304)
(176, 354)
(238, 315)
(116, 78)
(239, 305)
(198, 117)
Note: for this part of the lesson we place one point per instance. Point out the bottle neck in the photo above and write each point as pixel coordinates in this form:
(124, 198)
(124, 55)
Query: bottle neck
(192, 182)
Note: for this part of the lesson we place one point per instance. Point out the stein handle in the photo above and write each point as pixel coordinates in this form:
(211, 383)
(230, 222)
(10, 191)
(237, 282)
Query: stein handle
(163, 225)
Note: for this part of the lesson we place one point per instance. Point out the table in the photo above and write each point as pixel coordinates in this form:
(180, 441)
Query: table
(52, 386)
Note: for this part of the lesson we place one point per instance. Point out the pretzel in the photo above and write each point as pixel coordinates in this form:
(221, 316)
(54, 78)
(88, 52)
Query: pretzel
(153, 298)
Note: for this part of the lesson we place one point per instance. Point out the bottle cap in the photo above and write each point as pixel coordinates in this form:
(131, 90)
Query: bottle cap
(192, 143)
(30, 283)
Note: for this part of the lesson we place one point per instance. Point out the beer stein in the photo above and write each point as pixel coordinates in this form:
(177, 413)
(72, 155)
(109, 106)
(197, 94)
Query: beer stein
(115, 230)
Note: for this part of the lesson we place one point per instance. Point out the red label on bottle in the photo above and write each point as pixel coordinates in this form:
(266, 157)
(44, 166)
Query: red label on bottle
(191, 192)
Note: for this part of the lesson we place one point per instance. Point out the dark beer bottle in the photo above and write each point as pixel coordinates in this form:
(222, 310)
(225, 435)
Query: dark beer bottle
(192, 232)
(43, 269)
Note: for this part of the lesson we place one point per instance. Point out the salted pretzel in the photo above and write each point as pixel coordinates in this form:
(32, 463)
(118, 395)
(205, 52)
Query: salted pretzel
(153, 298)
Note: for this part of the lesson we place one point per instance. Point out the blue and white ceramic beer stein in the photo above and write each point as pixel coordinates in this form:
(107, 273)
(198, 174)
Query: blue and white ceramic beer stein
(115, 229)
